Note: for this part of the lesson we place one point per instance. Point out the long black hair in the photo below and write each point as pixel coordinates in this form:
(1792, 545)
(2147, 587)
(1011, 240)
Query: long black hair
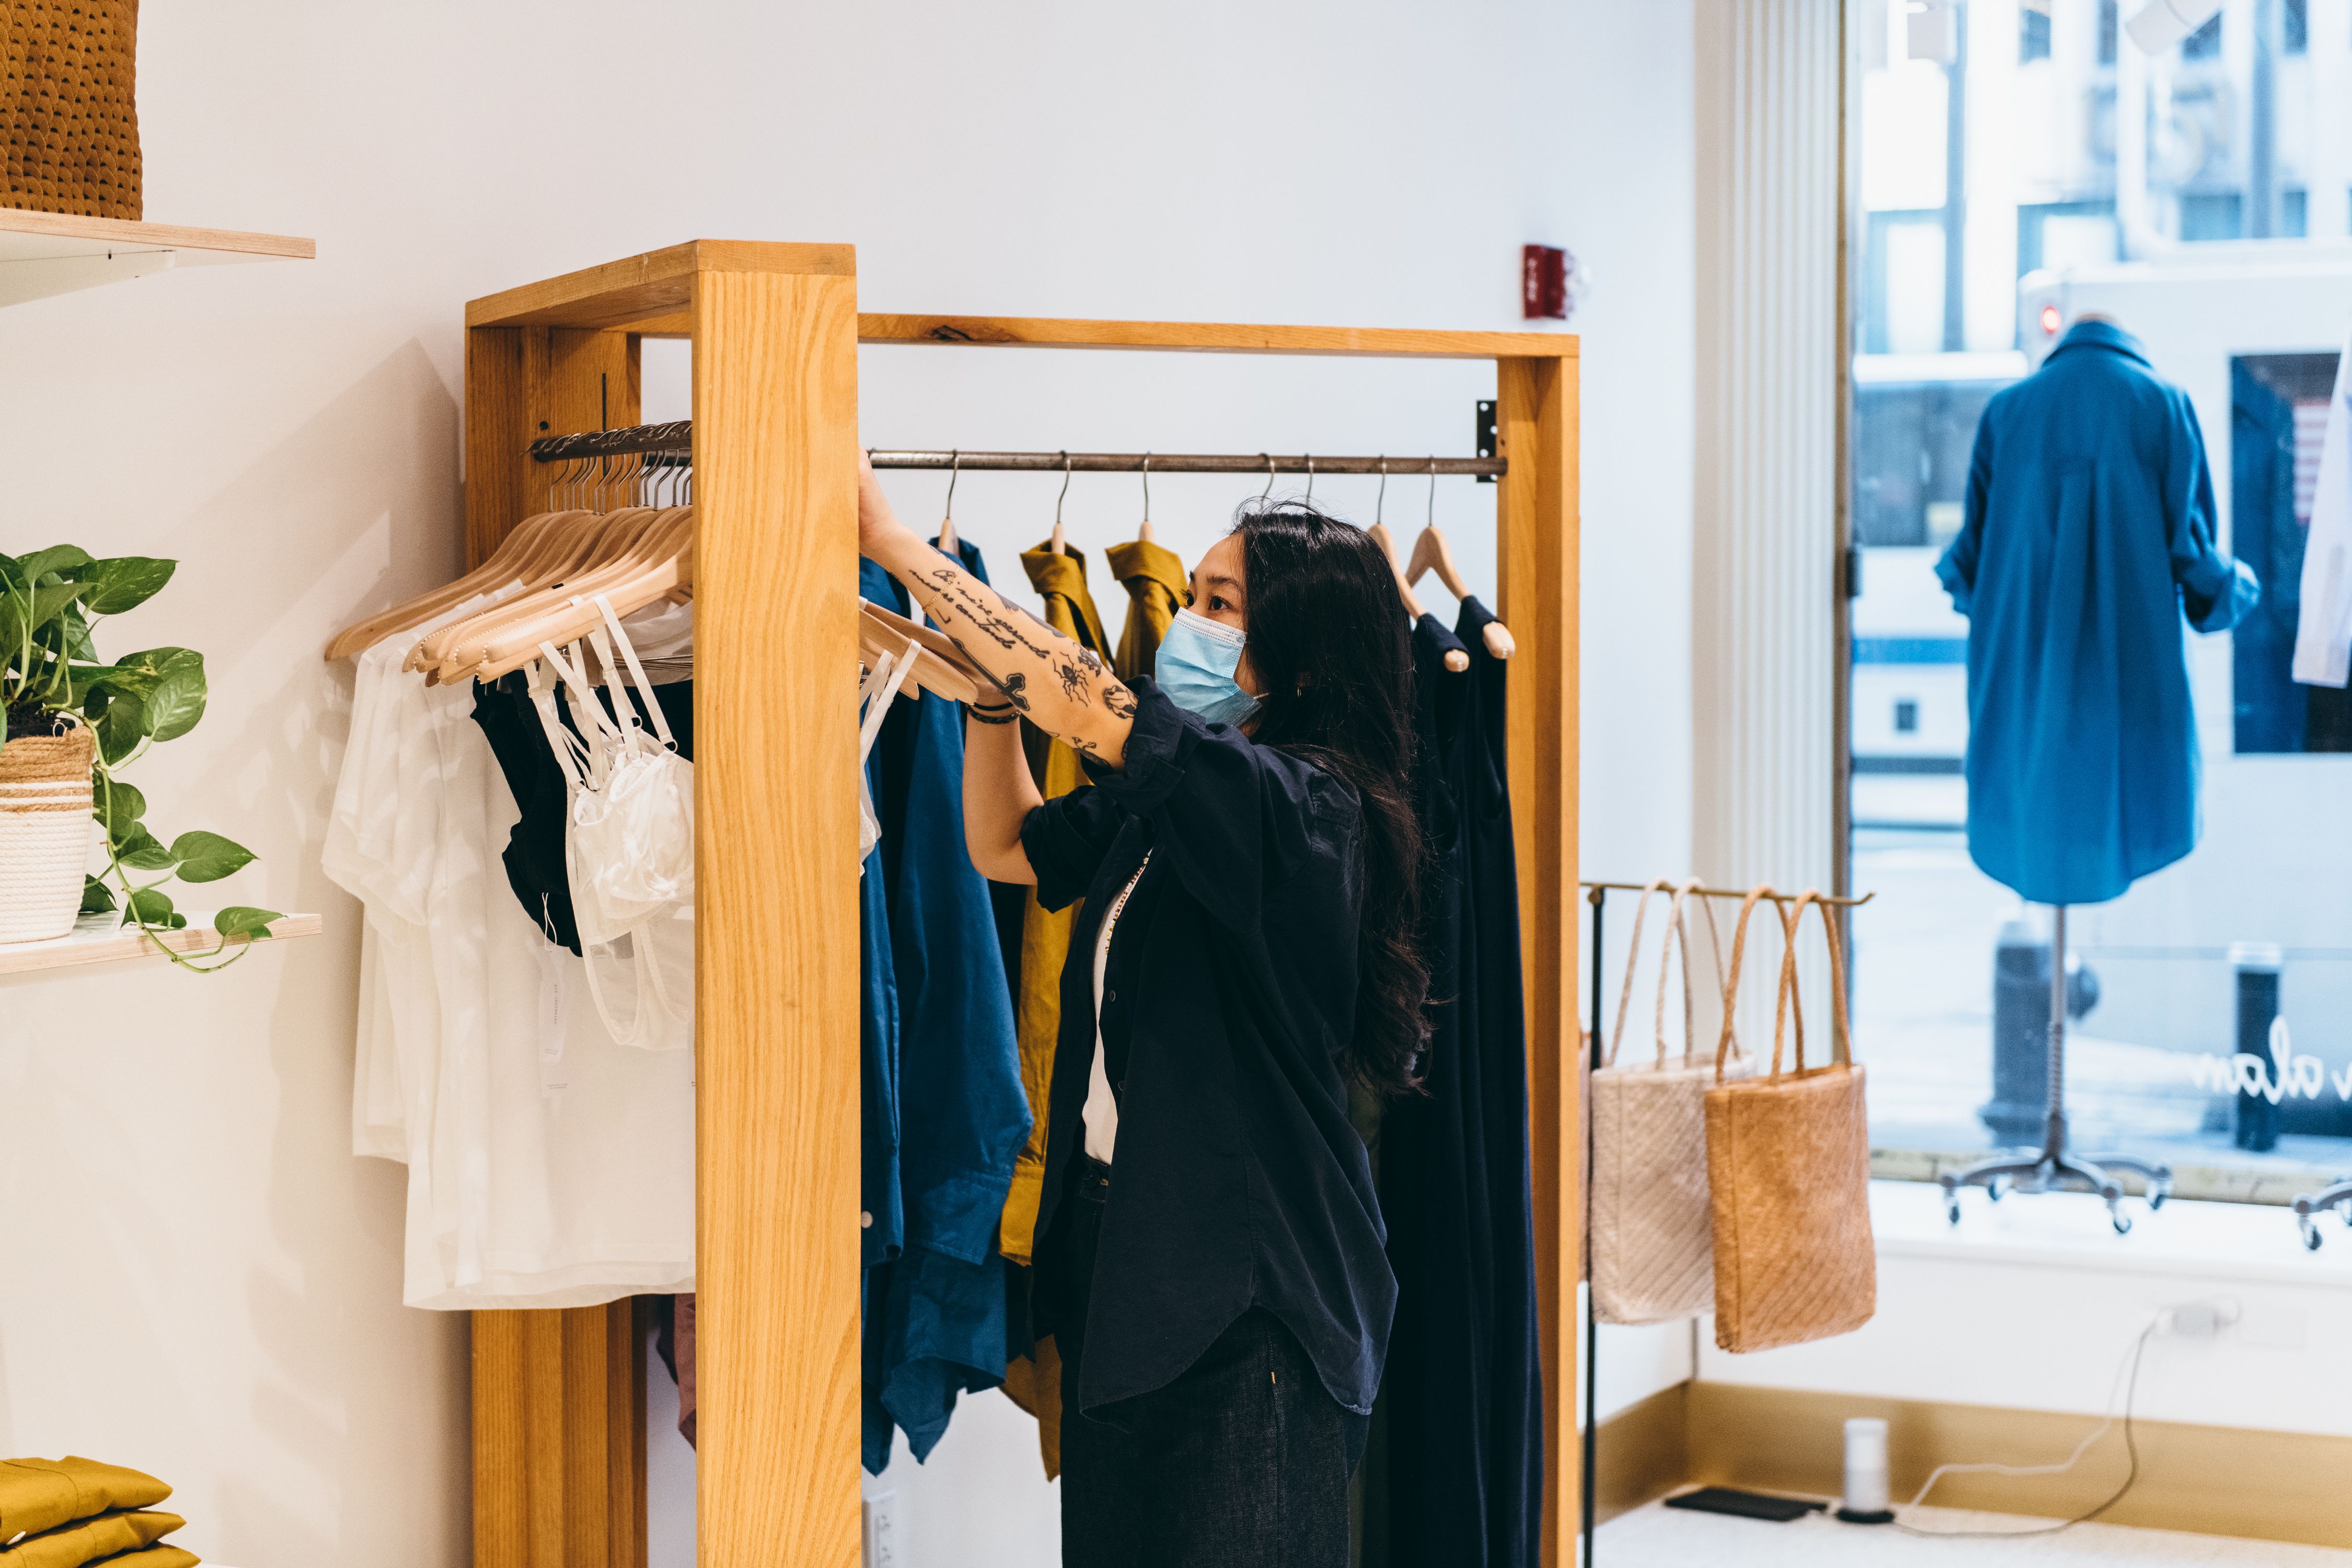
(1326, 640)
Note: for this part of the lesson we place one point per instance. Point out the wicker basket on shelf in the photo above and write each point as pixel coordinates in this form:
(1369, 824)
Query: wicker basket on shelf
(45, 833)
(68, 108)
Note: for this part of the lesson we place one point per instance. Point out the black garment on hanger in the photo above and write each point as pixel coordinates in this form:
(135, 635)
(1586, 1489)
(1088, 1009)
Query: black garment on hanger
(1462, 1401)
(534, 851)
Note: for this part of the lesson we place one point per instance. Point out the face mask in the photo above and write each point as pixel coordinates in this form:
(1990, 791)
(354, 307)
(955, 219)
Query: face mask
(1195, 669)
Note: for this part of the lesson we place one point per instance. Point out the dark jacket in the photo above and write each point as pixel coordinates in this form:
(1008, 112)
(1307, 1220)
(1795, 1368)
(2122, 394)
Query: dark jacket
(1231, 993)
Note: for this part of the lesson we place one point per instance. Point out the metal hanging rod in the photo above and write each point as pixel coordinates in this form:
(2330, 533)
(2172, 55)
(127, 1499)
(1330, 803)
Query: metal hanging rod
(678, 438)
(1776, 897)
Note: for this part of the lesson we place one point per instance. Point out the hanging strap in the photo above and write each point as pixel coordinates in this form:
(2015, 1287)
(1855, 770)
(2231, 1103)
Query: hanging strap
(589, 715)
(1677, 935)
(1731, 986)
(1841, 1042)
(1633, 957)
(570, 753)
(636, 672)
(891, 672)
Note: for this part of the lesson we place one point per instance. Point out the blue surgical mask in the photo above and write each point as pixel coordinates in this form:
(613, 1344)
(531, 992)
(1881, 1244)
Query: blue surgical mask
(1195, 669)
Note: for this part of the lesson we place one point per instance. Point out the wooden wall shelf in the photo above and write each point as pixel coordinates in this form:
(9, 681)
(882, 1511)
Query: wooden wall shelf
(51, 253)
(98, 940)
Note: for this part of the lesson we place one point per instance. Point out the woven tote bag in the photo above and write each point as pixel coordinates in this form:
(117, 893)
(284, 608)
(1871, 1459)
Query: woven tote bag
(44, 833)
(69, 107)
(1652, 1223)
(1788, 1159)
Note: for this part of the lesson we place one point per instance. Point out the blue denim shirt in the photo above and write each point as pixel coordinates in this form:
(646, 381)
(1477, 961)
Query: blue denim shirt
(935, 1326)
(2088, 530)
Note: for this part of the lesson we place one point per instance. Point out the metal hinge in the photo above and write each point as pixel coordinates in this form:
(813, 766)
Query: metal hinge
(1487, 435)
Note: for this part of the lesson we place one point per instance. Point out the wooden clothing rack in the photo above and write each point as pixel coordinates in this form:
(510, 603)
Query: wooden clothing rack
(559, 1396)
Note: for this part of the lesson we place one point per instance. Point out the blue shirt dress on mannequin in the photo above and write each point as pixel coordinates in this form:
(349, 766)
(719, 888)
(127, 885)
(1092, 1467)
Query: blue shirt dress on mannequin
(2089, 530)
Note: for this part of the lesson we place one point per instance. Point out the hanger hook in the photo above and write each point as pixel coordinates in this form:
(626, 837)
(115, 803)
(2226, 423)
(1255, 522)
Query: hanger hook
(1431, 520)
(1147, 486)
(1269, 476)
(1065, 488)
(955, 467)
(1310, 476)
(1381, 503)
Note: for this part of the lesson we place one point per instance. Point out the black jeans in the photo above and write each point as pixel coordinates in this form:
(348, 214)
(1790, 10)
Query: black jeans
(1242, 1462)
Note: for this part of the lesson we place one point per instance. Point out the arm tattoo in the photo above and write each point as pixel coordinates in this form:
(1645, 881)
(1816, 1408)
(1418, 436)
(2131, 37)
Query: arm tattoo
(995, 633)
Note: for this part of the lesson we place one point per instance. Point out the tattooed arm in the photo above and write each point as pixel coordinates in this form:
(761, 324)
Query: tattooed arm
(1057, 684)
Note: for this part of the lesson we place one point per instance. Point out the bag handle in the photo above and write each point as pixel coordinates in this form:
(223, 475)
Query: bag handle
(1739, 953)
(1633, 958)
(1677, 934)
(1841, 1038)
(1715, 945)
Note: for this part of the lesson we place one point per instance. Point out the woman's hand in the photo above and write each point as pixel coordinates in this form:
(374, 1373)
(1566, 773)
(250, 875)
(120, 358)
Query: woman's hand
(881, 537)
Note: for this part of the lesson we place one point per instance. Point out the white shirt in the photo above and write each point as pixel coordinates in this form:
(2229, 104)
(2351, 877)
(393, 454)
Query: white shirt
(2323, 642)
(1101, 1112)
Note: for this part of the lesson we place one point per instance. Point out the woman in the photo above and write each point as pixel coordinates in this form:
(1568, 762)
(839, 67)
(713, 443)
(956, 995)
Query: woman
(1249, 859)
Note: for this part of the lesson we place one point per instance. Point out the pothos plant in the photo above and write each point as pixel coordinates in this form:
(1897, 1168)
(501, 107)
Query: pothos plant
(52, 676)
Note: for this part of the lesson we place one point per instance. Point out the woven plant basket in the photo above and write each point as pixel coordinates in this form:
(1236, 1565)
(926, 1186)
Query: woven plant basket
(44, 833)
(69, 107)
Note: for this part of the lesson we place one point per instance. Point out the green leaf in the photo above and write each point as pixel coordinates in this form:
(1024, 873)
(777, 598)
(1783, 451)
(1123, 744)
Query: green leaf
(119, 807)
(51, 601)
(241, 921)
(124, 582)
(142, 851)
(120, 727)
(78, 643)
(207, 857)
(56, 558)
(97, 898)
(153, 906)
(140, 673)
(177, 701)
(12, 572)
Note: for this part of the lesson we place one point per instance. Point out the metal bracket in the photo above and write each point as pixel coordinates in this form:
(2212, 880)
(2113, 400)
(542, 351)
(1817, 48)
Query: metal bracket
(1486, 443)
(1852, 565)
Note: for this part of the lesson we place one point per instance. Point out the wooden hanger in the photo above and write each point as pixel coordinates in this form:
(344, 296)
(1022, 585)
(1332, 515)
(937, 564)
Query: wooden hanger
(515, 643)
(1455, 659)
(940, 667)
(593, 540)
(506, 564)
(1431, 553)
(638, 545)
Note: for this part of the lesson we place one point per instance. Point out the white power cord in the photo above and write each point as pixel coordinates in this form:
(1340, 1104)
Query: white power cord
(2127, 1376)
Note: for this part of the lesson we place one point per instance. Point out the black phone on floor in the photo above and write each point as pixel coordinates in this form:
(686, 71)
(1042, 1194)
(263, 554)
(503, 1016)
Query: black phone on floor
(1747, 1505)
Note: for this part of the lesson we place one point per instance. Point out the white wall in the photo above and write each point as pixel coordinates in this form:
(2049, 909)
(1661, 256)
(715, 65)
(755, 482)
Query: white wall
(199, 1279)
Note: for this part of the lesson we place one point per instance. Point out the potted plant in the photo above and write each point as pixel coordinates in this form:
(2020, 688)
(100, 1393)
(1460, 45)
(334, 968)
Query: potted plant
(74, 723)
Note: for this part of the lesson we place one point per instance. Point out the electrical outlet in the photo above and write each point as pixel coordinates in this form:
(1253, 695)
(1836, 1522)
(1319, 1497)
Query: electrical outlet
(2200, 1320)
(883, 1549)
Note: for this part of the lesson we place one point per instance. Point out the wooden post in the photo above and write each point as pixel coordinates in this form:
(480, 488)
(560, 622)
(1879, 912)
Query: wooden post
(559, 1396)
(1536, 514)
(776, 960)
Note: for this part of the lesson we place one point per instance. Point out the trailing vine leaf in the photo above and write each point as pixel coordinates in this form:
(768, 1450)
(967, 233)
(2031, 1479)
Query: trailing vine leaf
(240, 920)
(175, 704)
(78, 643)
(142, 851)
(97, 898)
(207, 857)
(118, 806)
(152, 907)
(124, 582)
(140, 673)
(120, 727)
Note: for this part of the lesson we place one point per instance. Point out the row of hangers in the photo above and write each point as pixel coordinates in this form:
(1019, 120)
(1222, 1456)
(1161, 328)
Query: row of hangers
(1431, 551)
(622, 528)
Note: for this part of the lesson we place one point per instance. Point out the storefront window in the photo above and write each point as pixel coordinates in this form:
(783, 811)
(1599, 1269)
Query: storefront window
(2020, 164)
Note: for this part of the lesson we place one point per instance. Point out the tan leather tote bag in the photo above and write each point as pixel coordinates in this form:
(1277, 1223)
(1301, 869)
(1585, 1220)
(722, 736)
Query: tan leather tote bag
(1788, 1160)
(1652, 1223)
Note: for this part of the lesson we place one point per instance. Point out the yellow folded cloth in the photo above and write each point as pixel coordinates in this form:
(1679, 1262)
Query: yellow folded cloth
(152, 1557)
(110, 1537)
(37, 1495)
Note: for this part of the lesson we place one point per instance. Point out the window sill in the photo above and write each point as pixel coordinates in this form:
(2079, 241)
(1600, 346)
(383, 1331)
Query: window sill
(2070, 1230)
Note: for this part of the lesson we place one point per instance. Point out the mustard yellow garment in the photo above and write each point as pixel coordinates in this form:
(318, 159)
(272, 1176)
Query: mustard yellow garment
(1061, 581)
(87, 1540)
(1035, 1383)
(37, 1495)
(1156, 590)
(154, 1557)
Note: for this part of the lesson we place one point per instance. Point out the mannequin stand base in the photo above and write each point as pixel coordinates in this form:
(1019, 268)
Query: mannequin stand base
(1876, 1516)
(2054, 1172)
(2338, 1196)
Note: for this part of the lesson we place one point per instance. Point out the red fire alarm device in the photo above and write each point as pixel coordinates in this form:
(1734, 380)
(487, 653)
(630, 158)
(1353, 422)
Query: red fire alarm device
(1543, 283)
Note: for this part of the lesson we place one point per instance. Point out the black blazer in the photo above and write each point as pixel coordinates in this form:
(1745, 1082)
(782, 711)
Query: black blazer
(1229, 992)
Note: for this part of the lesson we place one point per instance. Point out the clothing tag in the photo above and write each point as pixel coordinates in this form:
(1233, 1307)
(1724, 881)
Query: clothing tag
(553, 1078)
